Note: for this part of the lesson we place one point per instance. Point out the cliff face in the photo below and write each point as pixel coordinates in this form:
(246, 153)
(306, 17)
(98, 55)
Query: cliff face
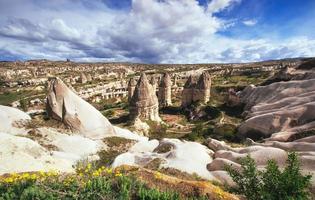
(144, 103)
(165, 91)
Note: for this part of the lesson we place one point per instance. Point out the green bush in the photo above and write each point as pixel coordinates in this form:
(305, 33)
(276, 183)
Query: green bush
(271, 183)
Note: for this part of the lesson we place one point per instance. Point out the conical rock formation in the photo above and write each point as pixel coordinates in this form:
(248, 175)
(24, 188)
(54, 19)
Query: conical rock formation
(131, 88)
(144, 103)
(165, 91)
(64, 105)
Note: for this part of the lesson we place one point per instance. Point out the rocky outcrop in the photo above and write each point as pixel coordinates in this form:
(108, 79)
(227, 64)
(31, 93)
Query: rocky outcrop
(21, 154)
(83, 78)
(190, 157)
(261, 153)
(202, 90)
(153, 82)
(144, 103)
(188, 92)
(65, 106)
(89, 77)
(165, 91)
(131, 88)
(12, 120)
(281, 110)
(199, 91)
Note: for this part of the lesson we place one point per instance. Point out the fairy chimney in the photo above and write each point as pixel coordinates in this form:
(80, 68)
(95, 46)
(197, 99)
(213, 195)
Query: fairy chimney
(144, 103)
(131, 88)
(165, 91)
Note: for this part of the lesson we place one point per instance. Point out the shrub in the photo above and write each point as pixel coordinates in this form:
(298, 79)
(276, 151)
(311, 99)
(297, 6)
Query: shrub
(271, 183)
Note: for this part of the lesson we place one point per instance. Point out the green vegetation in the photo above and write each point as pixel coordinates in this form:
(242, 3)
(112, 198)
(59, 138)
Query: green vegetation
(86, 183)
(117, 146)
(271, 184)
(157, 130)
(109, 113)
(8, 97)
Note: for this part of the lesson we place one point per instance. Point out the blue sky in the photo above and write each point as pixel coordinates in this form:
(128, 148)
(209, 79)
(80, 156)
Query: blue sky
(157, 31)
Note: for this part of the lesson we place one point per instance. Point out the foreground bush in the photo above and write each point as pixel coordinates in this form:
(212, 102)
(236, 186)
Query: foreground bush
(271, 183)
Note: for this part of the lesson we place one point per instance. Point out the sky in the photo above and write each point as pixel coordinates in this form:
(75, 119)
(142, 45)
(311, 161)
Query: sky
(157, 31)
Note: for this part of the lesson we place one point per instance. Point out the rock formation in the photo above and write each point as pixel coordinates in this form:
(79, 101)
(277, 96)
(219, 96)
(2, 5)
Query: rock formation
(199, 91)
(89, 77)
(12, 120)
(188, 92)
(175, 80)
(261, 153)
(64, 105)
(282, 109)
(202, 90)
(165, 91)
(153, 82)
(131, 88)
(83, 78)
(144, 103)
(190, 157)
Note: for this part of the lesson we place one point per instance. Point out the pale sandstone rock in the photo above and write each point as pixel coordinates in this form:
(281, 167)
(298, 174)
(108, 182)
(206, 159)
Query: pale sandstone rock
(199, 91)
(261, 153)
(83, 78)
(64, 105)
(144, 103)
(190, 157)
(141, 128)
(284, 109)
(131, 88)
(165, 91)
(12, 120)
(21, 154)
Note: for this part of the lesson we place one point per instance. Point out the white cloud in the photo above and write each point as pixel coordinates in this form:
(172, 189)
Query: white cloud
(250, 22)
(168, 31)
(219, 5)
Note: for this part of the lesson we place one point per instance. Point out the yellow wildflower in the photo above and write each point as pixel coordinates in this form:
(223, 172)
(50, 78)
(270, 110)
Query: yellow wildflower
(157, 175)
(118, 174)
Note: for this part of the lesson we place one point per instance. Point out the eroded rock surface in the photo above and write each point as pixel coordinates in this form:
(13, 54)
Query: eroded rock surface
(190, 157)
(64, 105)
(144, 103)
(12, 120)
(165, 91)
(281, 110)
(199, 91)
(261, 153)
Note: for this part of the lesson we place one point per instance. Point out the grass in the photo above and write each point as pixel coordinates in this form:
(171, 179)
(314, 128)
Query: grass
(116, 146)
(124, 183)
(8, 97)
(86, 183)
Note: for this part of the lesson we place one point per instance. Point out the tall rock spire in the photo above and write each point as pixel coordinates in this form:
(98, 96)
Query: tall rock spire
(199, 91)
(165, 91)
(188, 92)
(131, 88)
(144, 103)
(202, 91)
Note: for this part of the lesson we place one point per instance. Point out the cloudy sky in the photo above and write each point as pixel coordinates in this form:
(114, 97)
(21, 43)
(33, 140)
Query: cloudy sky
(157, 31)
